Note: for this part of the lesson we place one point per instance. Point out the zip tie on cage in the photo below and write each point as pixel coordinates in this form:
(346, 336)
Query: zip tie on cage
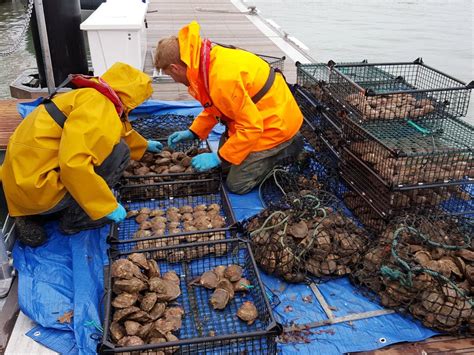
(95, 325)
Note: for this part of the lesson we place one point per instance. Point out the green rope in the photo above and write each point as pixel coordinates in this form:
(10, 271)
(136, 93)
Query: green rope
(95, 325)
(271, 174)
(406, 279)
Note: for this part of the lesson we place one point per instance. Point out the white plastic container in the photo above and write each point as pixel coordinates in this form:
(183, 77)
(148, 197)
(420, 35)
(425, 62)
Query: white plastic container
(116, 33)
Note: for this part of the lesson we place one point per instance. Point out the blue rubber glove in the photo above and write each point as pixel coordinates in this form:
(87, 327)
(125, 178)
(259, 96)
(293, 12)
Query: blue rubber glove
(117, 215)
(154, 146)
(180, 136)
(205, 161)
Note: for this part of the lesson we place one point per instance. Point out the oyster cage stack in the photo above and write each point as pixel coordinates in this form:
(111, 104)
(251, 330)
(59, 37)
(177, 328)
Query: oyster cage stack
(402, 90)
(401, 164)
(191, 195)
(202, 329)
(154, 162)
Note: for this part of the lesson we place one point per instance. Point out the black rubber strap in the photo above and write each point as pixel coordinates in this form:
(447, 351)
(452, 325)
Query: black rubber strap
(55, 112)
(268, 84)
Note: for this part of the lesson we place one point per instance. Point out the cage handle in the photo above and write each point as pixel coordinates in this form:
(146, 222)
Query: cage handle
(418, 127)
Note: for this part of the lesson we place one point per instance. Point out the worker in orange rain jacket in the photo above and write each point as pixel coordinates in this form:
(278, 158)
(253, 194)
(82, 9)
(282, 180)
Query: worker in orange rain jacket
(240, 90)
(65, 156)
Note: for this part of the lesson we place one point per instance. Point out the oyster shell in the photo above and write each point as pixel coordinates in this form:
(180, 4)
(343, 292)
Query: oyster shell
(248, 312)
(219, 298)
(124, 300)
(233, 272)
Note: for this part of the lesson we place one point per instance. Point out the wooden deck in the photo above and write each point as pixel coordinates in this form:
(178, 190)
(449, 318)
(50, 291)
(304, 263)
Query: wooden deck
(9, 120)
(165, 18)
(440, 345)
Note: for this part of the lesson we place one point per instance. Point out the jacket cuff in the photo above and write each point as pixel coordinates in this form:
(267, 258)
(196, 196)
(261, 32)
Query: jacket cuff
(194, 133)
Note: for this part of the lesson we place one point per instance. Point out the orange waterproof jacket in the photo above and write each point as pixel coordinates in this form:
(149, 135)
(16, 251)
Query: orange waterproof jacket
(235, 76)
(44, 161)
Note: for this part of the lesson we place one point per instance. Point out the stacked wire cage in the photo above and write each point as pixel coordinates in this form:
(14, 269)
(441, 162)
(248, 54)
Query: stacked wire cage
(399, 164)
(171, 164)
(184, 316)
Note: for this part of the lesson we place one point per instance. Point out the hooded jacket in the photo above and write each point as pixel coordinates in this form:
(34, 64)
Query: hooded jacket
(44, 161)
(235, 76)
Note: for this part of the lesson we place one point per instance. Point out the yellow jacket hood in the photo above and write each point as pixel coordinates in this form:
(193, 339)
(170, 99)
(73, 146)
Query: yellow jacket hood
(132, 86)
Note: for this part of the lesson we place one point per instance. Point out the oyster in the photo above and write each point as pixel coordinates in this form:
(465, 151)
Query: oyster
(148, 301)
(219, 298)
(122, 313)
(139, 259)
(233, 273)
(242, 285)
(117, 331)
(248, 312)
(226, 285)
(166, 290)
(125, 269)
(171, 276)
(130, 341)
(124, 300)
(132, 285)
(131, 327)
(209, 279)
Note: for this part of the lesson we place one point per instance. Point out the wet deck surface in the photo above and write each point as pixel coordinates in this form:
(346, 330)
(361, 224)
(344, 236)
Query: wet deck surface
(226, 25)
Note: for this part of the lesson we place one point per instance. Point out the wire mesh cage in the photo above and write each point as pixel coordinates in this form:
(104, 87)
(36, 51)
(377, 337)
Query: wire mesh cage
(168, 165)
(313, 173)
(422, 265)
(405, 90)
(200, 327)
(185, 216)
(393, 201)
(312, 236)
(159, 126)
(275, 62)
(373, 220)
(438, 151)
(320, 117)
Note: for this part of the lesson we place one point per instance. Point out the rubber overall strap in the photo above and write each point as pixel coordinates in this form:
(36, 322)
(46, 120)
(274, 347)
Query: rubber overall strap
(55, 112)
(205, 55)
(266, 87)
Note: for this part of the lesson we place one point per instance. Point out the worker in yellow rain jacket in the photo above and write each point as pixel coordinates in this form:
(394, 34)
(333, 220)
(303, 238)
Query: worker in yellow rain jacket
(240, 90)
(65, 156)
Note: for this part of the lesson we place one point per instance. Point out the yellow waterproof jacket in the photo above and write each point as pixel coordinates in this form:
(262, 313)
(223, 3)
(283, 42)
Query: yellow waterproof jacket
(44, 161)
(235, 76)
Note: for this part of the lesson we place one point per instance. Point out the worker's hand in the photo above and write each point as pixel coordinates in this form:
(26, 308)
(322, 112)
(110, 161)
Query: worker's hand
(117, 215)
(205, 161)
(180, 136)
(154, 146)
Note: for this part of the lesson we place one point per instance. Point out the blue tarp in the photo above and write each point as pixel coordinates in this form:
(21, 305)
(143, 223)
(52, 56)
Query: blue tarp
(66, 274)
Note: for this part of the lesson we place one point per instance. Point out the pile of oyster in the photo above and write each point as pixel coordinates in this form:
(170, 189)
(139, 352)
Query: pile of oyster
(166, 162)
(172, 222)
(438, 287)
(144, 302)
(226, 281)
(389, 107)
(326, 244)
(413, 170)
